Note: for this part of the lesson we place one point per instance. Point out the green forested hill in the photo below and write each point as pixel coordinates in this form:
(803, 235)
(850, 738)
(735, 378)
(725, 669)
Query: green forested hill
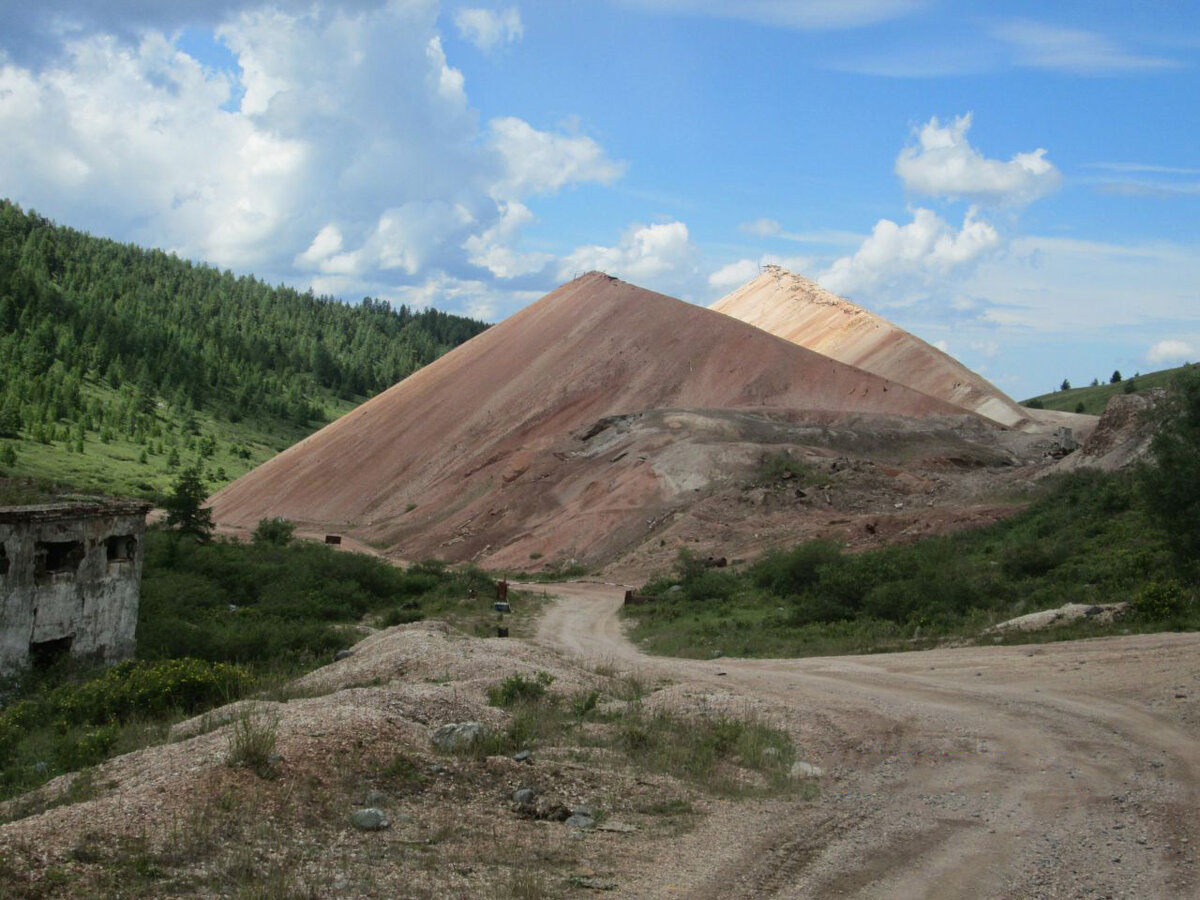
(146, 361)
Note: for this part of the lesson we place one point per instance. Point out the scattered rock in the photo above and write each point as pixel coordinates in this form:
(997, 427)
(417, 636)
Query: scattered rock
(1070, 612)
(369, 819)
(522, 756)
(524, 795)
(578, 820)
(458, 735)
(342, 654)
(806, 770)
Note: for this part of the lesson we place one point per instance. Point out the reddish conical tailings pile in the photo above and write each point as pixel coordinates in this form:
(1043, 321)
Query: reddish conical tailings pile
(806, 314)
(456, 439)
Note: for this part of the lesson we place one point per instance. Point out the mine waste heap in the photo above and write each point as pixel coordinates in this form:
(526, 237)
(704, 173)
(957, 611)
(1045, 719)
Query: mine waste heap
(585, 425)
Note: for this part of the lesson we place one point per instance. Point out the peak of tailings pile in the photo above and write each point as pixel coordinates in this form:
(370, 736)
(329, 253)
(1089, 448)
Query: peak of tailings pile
(806, 314)
(467, 454)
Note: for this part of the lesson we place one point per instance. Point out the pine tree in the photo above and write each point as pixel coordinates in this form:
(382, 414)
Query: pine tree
(185, 507)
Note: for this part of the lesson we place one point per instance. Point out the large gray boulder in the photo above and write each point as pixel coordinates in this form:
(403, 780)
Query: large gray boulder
(458, 735)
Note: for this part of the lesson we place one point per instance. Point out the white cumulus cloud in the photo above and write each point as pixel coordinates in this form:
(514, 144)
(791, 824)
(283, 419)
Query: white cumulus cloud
(661, 255)
(1170, 350)
(734, 274)
(740, 271)
(944, 164)
(495, 248)
(537, 162)
(926, 248)
(486, 28)
(342, 151)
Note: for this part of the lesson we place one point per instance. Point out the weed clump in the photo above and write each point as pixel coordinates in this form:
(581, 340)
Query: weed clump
(518, 688)
(252, 739)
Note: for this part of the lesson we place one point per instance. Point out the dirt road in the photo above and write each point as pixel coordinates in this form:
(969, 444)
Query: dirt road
(1055, 770)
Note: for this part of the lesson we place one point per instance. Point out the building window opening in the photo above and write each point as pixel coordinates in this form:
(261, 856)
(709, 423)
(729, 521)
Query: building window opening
(3, 560)
(57, 557)
(121, 548)
(44, 654)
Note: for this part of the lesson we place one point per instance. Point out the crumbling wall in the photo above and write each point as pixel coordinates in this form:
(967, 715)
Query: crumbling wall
(69, 582)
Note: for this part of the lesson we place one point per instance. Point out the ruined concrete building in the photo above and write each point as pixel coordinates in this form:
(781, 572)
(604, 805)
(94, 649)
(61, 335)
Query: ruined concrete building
(69, 580)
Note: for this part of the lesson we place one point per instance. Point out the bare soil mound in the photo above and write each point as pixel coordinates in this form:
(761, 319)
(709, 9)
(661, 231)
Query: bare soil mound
(484, 448)
(808, 315)
(1122, 436)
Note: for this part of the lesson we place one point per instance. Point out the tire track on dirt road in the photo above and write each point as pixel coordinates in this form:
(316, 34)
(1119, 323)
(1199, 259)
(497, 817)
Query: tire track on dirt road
(1061, 770)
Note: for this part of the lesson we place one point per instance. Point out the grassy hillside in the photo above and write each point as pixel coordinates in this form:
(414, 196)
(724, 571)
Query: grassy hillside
(118, 364)
(1095, 397)
(115, 463)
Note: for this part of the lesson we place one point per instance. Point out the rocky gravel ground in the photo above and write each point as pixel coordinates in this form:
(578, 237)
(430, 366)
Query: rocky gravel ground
(1056, 770)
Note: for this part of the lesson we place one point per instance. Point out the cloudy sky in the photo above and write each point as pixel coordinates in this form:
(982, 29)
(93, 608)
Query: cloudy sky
(1021, 187)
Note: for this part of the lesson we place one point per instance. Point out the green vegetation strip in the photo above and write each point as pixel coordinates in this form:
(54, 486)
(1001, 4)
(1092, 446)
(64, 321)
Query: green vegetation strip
(1087, 539)
(219, 621)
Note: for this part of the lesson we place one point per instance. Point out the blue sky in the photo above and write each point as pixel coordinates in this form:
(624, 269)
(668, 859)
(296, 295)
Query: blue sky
(1018, 183)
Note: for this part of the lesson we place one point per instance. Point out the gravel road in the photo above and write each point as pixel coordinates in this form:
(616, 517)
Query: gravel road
(1052, 770)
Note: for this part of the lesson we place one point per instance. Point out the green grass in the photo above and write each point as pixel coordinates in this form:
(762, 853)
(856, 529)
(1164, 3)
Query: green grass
(1086, 539)
(114, 466)
(1094, 399)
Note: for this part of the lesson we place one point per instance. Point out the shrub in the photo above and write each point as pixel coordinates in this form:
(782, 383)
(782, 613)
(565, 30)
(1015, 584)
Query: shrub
(781, 467)
(584, 703)
(1159, 600)
(795, 571)
(273, 531)
(1028, 560)
(1171, 484)
(140, 688)
(517, 688)
(712, 584)
(402, 616)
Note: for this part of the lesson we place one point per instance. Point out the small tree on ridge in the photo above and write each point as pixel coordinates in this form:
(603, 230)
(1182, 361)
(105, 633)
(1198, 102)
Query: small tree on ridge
(185, 507)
